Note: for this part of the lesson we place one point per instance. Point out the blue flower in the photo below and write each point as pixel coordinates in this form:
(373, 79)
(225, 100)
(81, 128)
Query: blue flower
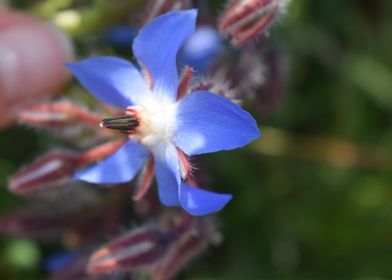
(157, 123)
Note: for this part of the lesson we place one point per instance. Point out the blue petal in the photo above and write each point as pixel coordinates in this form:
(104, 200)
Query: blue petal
(156, 48)
(199, 202)
(118, 168)
(112, 80)
(167, 174)
(207, 123)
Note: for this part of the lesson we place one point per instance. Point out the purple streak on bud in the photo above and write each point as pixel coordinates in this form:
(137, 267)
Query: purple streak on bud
(56, 115)
(140, 248)
(51, 171)
(243, 20)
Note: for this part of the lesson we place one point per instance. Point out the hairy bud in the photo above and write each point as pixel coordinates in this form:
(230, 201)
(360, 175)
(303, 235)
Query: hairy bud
(55, 170)
(140, 248)
(243, 20)
(56, 115)
(51, 171)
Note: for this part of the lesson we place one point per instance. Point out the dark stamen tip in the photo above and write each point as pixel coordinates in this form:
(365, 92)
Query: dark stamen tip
(122, 123)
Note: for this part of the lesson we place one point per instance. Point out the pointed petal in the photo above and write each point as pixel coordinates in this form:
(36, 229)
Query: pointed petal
(199, 202)
(118, 168)
(167, 174)
(112, 80)
(156, 48)
(207, 123)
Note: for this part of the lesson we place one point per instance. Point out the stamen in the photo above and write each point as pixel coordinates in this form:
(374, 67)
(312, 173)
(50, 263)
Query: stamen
(123, 123)
(185, 167)
(184, 82)
(145, 180)
(243, 20)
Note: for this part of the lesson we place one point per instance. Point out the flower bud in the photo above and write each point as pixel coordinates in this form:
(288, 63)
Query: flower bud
(56, 115)
(140, 248)
(55, 170)
(52, 171)
(243, 20)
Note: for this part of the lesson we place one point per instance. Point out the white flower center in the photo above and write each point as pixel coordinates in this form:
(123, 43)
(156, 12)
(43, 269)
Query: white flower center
(156, 121)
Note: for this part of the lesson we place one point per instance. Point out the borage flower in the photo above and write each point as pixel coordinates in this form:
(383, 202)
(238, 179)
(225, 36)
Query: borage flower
(163, 123)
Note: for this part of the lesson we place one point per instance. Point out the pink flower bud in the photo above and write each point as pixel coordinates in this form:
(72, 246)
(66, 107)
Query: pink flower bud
(51, 171)
(54, 170)
(56, 115)
(140, 248)
(32, 55)
(243, 20)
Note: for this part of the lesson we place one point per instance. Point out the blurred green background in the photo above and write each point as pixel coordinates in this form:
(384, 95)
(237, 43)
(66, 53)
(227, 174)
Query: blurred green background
(313, 196)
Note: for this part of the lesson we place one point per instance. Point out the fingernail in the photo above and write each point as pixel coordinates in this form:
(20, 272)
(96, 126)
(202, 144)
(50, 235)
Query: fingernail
(32, 57)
